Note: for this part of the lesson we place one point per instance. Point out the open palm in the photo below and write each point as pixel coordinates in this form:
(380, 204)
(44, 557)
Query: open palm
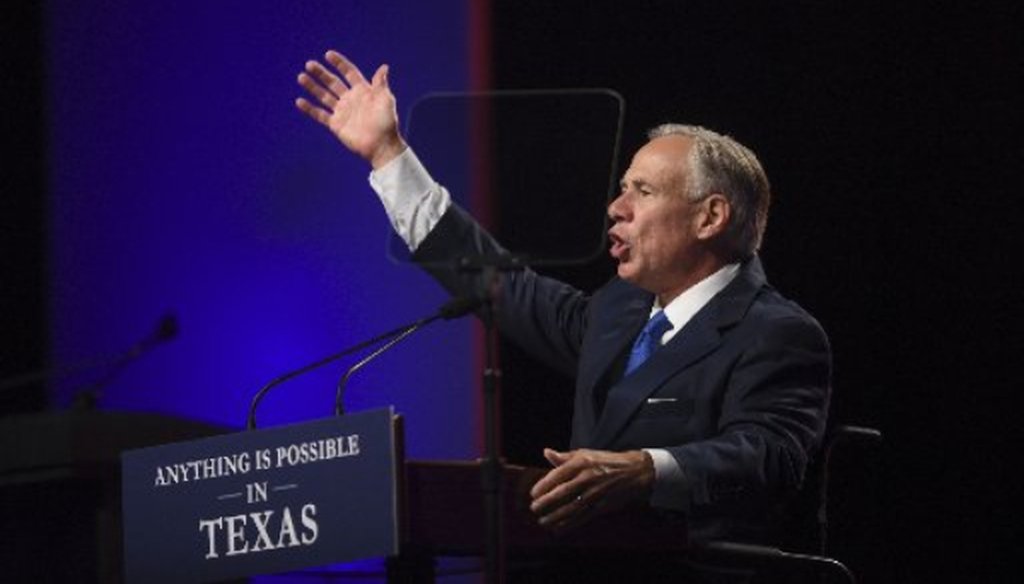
(361, 114)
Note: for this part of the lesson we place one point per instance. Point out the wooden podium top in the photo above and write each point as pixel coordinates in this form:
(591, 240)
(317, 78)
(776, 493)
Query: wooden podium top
(444, 516)
(86, 442)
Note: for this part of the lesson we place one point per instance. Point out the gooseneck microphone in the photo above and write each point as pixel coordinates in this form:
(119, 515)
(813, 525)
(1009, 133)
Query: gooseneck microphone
(452, 309)
(455, 309)
(166, 329)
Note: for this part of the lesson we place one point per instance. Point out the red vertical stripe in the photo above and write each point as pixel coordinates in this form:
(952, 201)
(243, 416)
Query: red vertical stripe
(481, 200)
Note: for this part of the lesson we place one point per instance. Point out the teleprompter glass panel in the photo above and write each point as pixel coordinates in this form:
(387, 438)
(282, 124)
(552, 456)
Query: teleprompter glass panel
(535, 167)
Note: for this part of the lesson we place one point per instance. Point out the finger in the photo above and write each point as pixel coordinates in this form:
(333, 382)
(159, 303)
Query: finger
(326, 78)
(558, 460)
(318, 114)
(560, 494)
(328, 99)
(552, 479)
(566, 516)
(549, 480)
(380, 78)
(555, 457)
(352, 73)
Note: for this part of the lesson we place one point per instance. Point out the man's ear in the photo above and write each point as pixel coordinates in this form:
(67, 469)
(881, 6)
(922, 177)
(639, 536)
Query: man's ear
(714, 217)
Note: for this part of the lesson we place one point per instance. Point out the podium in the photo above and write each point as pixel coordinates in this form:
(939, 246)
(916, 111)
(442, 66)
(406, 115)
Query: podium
(60, 509)
(60, 487)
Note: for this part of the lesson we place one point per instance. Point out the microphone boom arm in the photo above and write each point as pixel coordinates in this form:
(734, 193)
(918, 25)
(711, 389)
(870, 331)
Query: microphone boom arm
(454, 308)
(251, 422)
(339, 405)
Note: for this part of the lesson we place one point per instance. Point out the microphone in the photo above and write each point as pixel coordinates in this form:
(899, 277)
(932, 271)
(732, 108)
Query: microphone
(166, 329)
(454, 308)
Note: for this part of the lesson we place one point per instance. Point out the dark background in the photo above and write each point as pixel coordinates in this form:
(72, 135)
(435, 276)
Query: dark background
(22, 201)
(891, 135)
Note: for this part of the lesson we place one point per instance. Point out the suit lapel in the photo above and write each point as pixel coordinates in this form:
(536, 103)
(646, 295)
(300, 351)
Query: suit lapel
(616, 334)
(621, 313)
(699, 337)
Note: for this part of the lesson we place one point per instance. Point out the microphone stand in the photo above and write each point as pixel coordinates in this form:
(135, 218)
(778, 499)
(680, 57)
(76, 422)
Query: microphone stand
(402, 330)
(86, 397)
(339, 402)
(452, 309)
(491, 464)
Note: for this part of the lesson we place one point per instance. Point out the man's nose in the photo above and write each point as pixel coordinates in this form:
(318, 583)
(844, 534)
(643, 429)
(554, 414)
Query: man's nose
(618, 208)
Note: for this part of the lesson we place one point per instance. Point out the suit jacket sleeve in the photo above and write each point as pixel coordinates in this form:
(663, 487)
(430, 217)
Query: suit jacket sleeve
(773, 412)
(545, 316)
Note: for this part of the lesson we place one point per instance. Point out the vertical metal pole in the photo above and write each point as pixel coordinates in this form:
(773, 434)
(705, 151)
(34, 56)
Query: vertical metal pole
(491, 466)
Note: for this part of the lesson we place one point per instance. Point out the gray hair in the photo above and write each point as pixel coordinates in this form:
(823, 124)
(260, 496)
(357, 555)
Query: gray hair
(720, 164)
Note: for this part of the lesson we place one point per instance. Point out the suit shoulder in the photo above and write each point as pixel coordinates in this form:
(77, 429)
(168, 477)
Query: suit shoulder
(772, 310)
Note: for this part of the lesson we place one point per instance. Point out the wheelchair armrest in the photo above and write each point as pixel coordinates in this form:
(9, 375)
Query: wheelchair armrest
(847, 433)
(755, 554)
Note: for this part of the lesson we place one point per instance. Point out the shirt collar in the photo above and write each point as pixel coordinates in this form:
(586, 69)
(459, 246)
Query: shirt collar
(683, 307)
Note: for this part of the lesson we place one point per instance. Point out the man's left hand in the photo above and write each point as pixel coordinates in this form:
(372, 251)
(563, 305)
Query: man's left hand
(587, 483)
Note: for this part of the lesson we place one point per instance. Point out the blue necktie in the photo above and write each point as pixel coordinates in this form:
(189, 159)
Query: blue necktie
(648, 341)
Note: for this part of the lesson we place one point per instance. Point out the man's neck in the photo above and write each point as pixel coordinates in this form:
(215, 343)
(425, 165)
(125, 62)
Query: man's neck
(693, 277)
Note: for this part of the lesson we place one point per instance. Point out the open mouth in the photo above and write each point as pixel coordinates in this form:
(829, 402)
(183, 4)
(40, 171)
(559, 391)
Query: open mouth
(619, 248)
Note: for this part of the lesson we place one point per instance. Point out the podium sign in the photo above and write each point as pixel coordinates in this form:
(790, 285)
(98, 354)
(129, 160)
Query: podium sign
(261, 502)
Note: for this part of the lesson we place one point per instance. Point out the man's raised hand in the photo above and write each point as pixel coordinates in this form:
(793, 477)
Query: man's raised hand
(360, 113)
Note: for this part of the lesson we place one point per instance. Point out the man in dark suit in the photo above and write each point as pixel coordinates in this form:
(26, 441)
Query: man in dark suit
(699, 388)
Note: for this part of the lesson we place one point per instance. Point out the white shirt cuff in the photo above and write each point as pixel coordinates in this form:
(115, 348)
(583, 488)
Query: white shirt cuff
(669, 483)
(413, 201)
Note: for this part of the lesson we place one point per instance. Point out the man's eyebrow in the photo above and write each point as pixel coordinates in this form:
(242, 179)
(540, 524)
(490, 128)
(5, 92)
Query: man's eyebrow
(636, 182)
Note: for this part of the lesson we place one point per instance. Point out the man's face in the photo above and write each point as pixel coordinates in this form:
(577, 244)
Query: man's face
(654, 234)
